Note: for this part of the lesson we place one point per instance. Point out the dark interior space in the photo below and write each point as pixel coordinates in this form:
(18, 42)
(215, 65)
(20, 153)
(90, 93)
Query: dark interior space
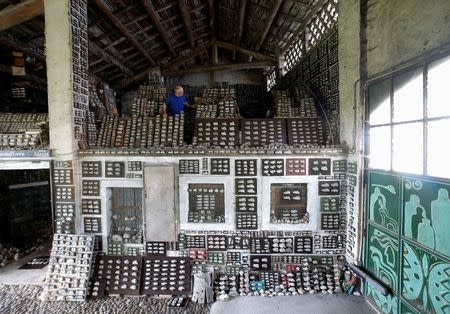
(25, 215)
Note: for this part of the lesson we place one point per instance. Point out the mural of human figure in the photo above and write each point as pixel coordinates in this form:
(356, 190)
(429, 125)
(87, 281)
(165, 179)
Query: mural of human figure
(416, 220)
(425, 233)
(410, 210)
(381, 211)
(376, 201)
(440, 217)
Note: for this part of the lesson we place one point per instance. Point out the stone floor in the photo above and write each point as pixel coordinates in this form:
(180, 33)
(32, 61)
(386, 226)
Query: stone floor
(15, 299)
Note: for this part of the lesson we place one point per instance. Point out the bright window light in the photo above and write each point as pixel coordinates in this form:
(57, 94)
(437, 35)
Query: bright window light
(408, 148)
(437, 155)
(438, 88)
(408, 96)
(380, 103)
(380, 147)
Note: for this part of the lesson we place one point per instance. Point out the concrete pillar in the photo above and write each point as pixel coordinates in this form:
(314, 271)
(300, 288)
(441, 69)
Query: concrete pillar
(351, 109)
(68, 100)
(59, 78)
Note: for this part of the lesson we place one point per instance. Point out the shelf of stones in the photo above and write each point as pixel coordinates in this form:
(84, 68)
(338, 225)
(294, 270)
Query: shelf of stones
(237, 151)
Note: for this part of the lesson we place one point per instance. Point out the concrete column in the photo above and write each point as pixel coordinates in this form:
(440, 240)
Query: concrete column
(59, 78)
(351, 109)
(68, 99)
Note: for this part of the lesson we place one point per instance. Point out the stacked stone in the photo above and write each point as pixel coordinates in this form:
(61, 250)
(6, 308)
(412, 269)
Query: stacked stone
(244, 282)
(337, 278)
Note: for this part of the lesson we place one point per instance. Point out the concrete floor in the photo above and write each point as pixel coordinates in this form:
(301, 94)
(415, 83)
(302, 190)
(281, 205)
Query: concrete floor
(310, 304)
(12, 275)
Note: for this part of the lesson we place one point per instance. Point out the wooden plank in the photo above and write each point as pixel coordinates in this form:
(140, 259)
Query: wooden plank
(19, 13)
(191, 55)
(129, 80)
(273, 13)
(245, 51)
(222, 67)
(105, 9)
(184, 12)
(313, 11)
(156, 21)
(108, 58)
(242, 8)
(212, 24)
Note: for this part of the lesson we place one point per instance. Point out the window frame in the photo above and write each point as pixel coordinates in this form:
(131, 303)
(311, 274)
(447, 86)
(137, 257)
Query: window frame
(425, 120)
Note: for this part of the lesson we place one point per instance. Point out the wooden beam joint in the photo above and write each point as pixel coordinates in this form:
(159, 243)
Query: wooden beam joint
(106, 11)
(222, 67)
(19, 13)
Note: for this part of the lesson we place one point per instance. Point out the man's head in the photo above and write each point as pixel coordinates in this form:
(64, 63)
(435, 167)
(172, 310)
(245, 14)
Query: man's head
(179, 90)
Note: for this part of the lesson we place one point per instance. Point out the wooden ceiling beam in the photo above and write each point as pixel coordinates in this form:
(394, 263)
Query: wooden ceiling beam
(136, 19)
(270, 19)
(248, 52)
(97, 61)
(102, 68)
(185, 16)
(191, 55)
(313, 11)
(212, 24)
(165, 8)
(125, 82)
(133, 55)
(156, 21)
(103, 36)
(242, 8)
(125, 51)
(222, 67)
(109, 58)
(16, 14)
(104, 8)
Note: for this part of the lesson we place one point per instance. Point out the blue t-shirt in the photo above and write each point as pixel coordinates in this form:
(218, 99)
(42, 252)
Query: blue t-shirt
(175, 104)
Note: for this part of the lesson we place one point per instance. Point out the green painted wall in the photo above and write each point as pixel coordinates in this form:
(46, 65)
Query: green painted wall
(408, 242)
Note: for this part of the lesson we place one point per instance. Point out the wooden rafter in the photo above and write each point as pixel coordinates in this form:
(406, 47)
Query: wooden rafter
(130, 80)
(222, 67)
(245, 51)
(21, 12)
(114, 43)
(157, 23)
(190, 56)
(242, 8)
(184, 12)
(270, 19)
(107, 65)
(108, 58)
(313, 11)
(104, 8)
(212, 21)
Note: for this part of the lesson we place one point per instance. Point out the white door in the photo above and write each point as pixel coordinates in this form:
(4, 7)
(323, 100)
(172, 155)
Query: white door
(161, 221)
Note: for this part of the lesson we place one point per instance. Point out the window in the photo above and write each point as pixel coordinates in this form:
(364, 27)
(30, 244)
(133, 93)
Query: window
(409, 117)
(271, 77)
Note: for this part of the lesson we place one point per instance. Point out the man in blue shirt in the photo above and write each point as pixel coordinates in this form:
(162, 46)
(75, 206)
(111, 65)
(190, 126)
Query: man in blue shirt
(176, 102)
